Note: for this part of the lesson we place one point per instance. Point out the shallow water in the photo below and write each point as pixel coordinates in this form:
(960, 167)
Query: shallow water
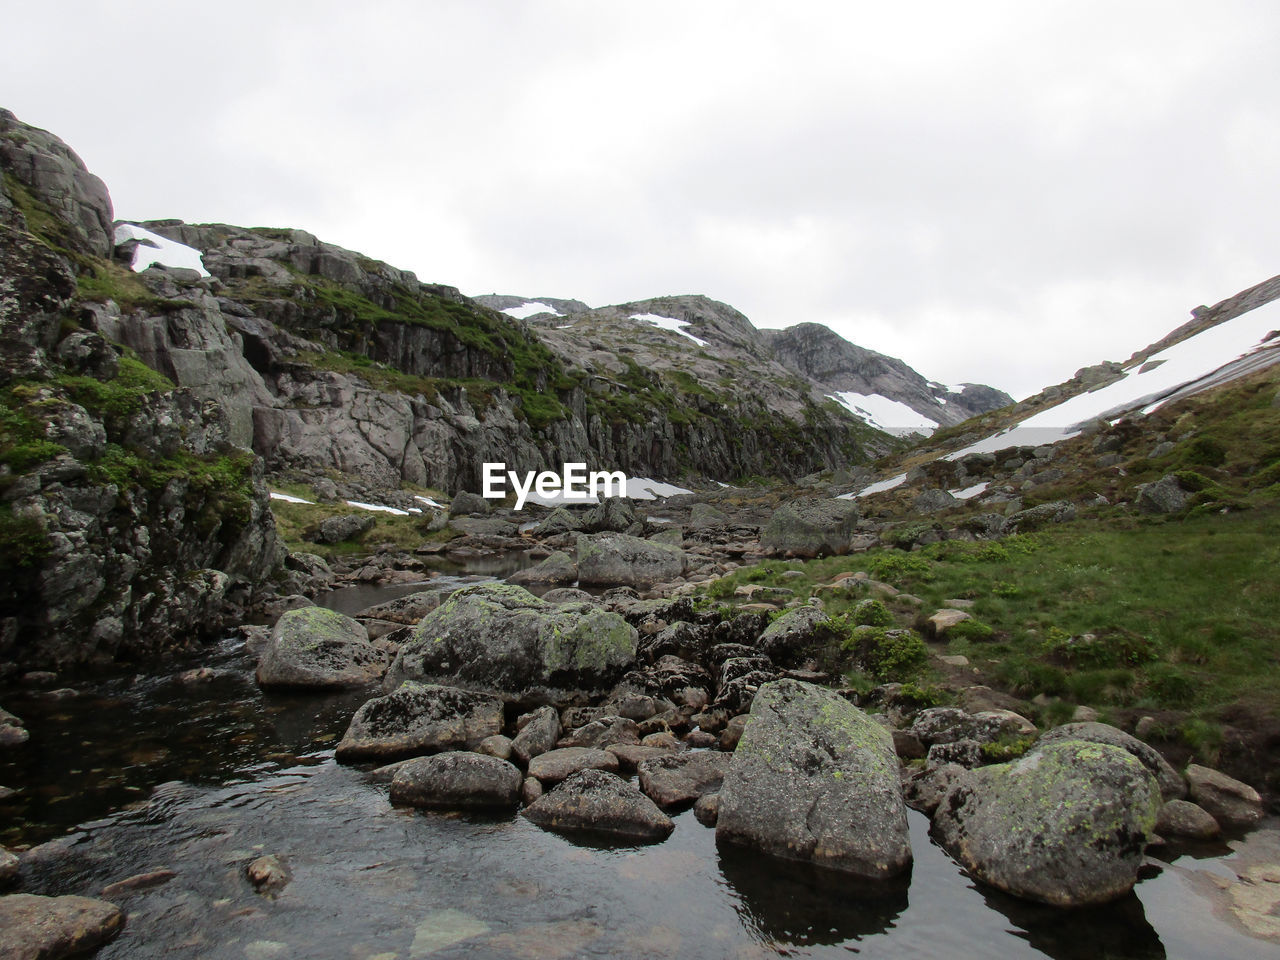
(140, 772)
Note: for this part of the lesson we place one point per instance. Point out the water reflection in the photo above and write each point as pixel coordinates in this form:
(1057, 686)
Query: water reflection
(1117, 930)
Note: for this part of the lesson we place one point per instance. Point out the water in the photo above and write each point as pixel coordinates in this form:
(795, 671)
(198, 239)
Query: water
(140, 772)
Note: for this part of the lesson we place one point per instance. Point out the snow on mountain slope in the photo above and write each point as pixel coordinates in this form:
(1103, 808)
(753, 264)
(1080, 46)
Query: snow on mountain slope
(885, 414)
(155, 249)
(669, 323)
(531, 309)
(1247, 341)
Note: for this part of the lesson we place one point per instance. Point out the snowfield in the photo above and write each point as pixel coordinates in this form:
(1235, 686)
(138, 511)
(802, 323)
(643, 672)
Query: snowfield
(153, 248)
(669, 323)
(531, 308)
(884, 414)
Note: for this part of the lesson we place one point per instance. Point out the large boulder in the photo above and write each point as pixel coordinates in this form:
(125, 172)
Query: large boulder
(40, 928)
(457, 780)
(1164, 496)
(811, 528)
(815, 779)
(558, 568)
(678, 779)
(1065, 824)
(1172, 786)
(614, 559)
(600, 802)
(340, 528)
(556, 765)
(612, 514)
(319, 649)
(500, 638)
(418, 718)
(788, 640)
(1230, 802)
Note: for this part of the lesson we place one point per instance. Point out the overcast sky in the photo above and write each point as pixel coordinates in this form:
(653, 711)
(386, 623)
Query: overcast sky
(995, 192)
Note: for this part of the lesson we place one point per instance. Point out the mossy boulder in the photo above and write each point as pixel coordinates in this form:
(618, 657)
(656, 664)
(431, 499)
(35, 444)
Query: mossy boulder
(1064, 825)
(598, 801)
(815, 779)
(501, 639)
(791, 638)
(419, 718)
(615, 559)
(319, 649)
(457, 780)
(1172, 786)
(811, 528)
(556, 569)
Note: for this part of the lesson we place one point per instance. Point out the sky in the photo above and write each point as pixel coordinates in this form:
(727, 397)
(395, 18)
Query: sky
(995, 192)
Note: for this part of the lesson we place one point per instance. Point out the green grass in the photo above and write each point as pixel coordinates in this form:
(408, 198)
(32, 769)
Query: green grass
(294, 519)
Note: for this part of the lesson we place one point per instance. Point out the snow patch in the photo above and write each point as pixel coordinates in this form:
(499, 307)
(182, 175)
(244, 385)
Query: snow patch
(379, 508)
(891, 416)
(1143, 387)
(285, 498)
(638, 488)
(878, 487)
(153, 248)
(531, 308)
(669, 323)
(968, 493)
(428, 501)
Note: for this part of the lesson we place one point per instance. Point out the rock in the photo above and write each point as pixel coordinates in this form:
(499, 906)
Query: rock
(319, 649)
(924, 789)
(530, 790)
(466, 503)
(338, 529)
(707, 809)
(907, 745)
(1230, 802)
(731, 736)
(556, 522)
(140, 881)
(1172, 786)
(700, 740)
(615, 558)
(603, 732)
(555, 765)
(502, 639)
(631, 755)
(810, 528)
(703, 516)
(661, 738)
(407, 610)
(1065, 825)
(495, 746)
(789, 639)
(1181, 818)
(935, 725)
(9, 863)
(936, 626)
(963, 753)
(561, 595)
(1023, 521)
(600, 802)
(538, 735)
(457, 780)
(610, 515)
(45, 928)
(268, 875)
(815, 779)
(1165, 496)
(556, 569)
(932, 500)
(681, 778)
(418, 718)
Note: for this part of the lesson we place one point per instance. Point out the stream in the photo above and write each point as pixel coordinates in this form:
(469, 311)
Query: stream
(138, 771)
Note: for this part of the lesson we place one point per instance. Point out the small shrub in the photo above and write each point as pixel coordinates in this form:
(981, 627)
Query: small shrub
(888, 655)
(1169, 686)
(900, 567)
(971, 630)
(1006, 748)
(872, 613)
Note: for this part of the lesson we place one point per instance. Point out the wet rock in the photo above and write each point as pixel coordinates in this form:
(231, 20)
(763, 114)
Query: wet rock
(13, 732)
(537, 735)
(603, 732)
(555, 765)
(707, 809)
(1172, 786)
(681, 778)
(661, 738)
(700, 739)
(924, 789)
(457, 780)
(45, 928)
(1227, 800)
(140, 881)
(600, 802)
(530, 790)
(319, 649)
(558, 568)
(1065, 825)
(810, 528)
(502, 639)
(418, 718)
(268, 875)
(1181, 818)
(615, 558)
(815, 779)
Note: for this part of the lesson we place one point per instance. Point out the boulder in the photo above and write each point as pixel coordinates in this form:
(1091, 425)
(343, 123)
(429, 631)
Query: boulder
(465, 503)
(631, 755)
(600, 802)
(788, 640)
(9, 864)
(319, 649)
(43, 928)
(815, 779)
(407, 610)
(1230, 802)
(940, 725)
(457, 780)
(538, 735)
(681, 778)
(810, 528)
(1182, 818)
(615, 558)
(558, 568)
(1065, 824)
(502, 639)
(1165, 496)
(1172, 786)
(924, 789)
(610, 515)
(555, 765)
(338, 529)
(556, 522)
(418, 718)
(603, 732)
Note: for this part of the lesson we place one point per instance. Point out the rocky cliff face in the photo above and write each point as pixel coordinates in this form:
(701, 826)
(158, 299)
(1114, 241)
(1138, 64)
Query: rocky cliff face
(838, 366)
(129, 518)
